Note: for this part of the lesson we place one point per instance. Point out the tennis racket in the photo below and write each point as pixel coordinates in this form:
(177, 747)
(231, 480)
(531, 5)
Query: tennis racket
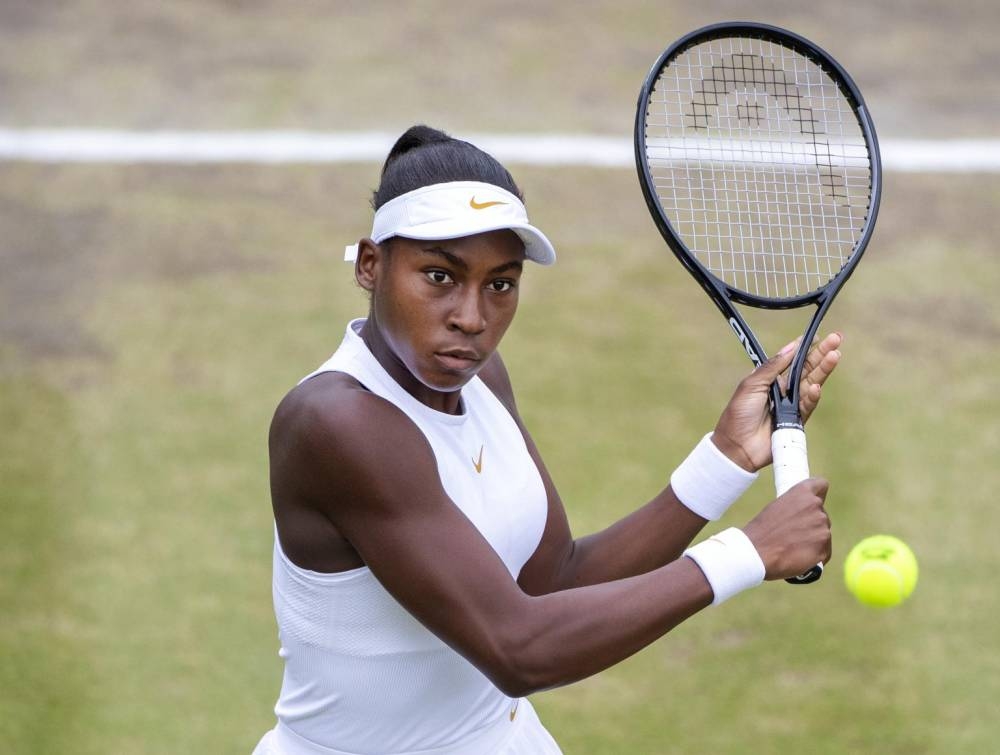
(760, 166)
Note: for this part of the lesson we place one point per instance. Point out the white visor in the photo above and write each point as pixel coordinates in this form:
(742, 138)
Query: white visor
(456, 209)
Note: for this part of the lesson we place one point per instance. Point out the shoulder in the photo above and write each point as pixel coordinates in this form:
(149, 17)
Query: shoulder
(332, 428)
(329, 403)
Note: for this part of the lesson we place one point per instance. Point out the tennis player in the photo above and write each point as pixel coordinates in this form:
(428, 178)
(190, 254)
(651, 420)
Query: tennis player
(425, 577)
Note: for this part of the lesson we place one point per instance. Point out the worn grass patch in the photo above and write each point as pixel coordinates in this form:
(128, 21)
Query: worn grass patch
(515, 65)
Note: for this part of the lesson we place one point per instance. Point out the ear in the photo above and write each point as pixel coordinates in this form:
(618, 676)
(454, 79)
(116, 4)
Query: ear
(367, 264)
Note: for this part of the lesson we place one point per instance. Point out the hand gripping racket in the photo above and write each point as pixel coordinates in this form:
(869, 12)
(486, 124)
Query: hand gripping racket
(760, 166)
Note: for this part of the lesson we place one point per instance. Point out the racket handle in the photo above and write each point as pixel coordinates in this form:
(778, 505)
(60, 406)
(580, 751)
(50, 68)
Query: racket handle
(791, 458)
(791, 466)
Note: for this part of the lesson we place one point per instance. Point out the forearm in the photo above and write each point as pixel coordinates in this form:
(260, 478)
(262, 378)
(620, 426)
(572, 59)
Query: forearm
(563, 637)
(701, 489)
(646, 539)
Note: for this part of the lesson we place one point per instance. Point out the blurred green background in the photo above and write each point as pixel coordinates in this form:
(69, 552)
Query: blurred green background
(151, 317)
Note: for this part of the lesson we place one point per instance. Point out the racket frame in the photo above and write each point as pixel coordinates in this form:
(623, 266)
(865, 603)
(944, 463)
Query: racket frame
(785, 407)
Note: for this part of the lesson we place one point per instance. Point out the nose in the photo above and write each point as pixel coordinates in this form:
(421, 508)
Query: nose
(467, 313)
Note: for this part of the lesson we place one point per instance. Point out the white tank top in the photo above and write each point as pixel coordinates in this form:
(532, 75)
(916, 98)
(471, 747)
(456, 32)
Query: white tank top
(361, 674)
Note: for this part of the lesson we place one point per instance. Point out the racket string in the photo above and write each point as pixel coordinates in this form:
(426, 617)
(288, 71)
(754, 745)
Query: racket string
(760, 163)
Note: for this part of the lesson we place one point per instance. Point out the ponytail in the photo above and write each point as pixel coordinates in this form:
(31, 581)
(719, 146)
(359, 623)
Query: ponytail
(424, 156)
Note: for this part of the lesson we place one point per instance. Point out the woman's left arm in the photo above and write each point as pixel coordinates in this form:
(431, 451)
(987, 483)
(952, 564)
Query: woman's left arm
(658, 532)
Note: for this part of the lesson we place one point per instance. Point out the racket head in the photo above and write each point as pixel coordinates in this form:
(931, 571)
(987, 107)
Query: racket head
(760, 165)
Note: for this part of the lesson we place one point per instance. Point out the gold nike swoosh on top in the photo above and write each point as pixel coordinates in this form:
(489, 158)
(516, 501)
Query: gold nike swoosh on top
(482, 205)
(478, 463)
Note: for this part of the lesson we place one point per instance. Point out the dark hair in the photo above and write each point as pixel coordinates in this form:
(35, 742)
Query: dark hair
(424, 156)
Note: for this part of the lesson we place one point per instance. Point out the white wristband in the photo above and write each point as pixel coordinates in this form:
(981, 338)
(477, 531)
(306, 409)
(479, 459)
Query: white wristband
(708, 481)
(729, 562)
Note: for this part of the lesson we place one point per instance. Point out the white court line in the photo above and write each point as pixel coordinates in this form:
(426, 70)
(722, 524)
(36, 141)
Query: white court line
(276, 147)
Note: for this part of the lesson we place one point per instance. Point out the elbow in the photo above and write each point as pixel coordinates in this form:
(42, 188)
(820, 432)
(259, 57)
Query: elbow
(521, 666)
(513, 683)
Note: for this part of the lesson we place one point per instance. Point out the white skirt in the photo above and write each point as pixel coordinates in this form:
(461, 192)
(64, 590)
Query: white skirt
(520, 733)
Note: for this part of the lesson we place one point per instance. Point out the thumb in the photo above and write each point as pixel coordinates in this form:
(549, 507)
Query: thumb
(819, 486)
(778, 363)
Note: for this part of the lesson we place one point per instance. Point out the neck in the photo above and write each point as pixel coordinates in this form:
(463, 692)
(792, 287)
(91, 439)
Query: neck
(447, 402)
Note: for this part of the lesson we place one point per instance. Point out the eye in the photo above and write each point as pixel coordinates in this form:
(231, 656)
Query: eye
(501, 286)
(438, 277)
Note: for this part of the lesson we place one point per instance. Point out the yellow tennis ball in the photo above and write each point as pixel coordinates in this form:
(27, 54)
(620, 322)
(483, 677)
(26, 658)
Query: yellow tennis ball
(881, 571)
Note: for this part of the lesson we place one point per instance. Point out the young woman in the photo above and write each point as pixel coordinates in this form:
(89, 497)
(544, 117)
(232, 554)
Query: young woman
(425, 577)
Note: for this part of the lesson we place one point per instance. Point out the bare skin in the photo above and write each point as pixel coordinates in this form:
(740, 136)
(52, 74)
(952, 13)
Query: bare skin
(355, 483)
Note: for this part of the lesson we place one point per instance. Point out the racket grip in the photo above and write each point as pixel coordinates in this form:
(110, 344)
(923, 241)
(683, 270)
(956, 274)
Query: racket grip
(791, 466)
(791, 458)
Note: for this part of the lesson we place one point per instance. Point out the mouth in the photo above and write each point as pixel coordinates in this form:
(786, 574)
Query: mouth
(457, 359)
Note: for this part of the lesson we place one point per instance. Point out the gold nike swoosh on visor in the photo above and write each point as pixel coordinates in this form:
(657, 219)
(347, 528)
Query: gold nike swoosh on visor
(478, 463)
(482, 205)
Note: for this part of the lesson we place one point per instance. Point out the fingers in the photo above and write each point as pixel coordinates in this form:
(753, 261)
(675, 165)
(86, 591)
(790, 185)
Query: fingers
(819, 365)
(822, 358)
(819, 487)
(826, 552)
(820, 362)
(792, 533)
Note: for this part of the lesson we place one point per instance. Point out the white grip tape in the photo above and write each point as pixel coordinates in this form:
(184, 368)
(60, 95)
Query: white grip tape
(708, 481)
(791, 458)
(729, 562)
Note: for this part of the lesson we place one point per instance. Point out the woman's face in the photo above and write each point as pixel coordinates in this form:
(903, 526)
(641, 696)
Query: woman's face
(441, 307)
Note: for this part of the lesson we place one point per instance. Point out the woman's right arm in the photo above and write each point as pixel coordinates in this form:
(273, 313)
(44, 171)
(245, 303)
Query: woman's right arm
(361, 464)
